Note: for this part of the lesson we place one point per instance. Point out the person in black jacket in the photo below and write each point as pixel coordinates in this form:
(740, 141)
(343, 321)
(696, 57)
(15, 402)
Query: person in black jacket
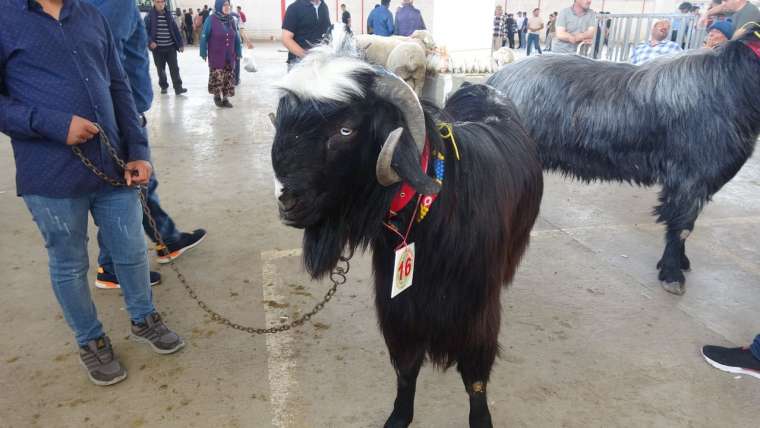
(510, 27)
(306, 23)
(189, 26)
(164, 40)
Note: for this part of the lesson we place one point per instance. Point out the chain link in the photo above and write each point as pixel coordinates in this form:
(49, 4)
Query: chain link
(338, 275)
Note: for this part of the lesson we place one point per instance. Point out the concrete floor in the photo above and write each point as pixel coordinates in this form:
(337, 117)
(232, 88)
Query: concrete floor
(589, 338)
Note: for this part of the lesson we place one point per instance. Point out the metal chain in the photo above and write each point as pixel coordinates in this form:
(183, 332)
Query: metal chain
(338, 275)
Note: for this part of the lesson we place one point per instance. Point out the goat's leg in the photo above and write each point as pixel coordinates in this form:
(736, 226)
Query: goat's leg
(407, 369)
(475, 368)
(679, 209)
(685, 262)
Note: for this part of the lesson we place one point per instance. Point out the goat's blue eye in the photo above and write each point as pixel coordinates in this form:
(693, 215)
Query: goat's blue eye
(346, 131)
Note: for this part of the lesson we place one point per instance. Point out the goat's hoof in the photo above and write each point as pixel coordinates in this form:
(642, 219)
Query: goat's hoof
(673, 281)
(396, 421)
(677, 288)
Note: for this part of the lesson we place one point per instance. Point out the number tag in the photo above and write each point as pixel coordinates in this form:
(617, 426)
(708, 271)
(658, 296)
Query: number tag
(403, 270)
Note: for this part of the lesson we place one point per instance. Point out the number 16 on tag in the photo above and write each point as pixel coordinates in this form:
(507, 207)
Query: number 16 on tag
(403, 270)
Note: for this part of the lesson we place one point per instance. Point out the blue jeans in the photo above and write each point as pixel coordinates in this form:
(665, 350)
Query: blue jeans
(755, 348)
(63, 224)
(533, 40)
(164, 223)
(521, 38)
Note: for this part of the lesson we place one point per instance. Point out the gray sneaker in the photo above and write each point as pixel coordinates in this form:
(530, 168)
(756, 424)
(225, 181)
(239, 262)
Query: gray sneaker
(154, 332)
(102, 366)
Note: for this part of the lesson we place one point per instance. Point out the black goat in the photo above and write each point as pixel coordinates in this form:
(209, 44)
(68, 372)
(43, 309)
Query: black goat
(345, 141)
(687, 123)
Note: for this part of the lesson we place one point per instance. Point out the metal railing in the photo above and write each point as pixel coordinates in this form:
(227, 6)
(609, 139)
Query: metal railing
(618, 34)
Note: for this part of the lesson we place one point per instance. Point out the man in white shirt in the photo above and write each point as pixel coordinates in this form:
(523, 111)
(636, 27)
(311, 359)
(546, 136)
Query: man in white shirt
(535, 25)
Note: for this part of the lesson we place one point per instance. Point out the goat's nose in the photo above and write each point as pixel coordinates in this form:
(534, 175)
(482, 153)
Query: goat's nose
(286, 201)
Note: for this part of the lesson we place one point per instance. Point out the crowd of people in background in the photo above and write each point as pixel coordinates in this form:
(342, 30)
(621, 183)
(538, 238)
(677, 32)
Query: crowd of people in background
(528, 30)
(408, 19)
(578, 26)
(220, 34)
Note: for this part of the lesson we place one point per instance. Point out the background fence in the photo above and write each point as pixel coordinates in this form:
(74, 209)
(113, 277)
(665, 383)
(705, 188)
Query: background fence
(617, 34)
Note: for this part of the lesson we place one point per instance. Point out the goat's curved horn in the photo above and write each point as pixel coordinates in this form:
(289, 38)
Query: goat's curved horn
(395, 165)
(386, 176)
(273, 118)
(394, 90)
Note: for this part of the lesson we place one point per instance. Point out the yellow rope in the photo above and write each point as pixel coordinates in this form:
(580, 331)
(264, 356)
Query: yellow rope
(447, 133)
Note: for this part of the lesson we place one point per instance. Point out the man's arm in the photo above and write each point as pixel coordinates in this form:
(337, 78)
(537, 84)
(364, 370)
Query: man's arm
(19, 120)
(173, 22)
(718, 10)
(586, 35)
(289, 42)
(562, 33)
(289, 27)
(124, 106)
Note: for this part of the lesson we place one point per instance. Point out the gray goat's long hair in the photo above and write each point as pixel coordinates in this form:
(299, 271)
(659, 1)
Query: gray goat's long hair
(687, 123)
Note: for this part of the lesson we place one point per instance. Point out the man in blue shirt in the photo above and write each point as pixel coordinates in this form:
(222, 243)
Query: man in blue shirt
(408, 19)
(381, 19)
(130, 40)
(60, 75)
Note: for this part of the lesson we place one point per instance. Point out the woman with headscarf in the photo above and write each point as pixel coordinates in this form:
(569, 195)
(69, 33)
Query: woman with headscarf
(220, 43)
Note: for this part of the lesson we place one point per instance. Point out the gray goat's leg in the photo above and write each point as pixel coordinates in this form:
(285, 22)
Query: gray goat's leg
(679, 209)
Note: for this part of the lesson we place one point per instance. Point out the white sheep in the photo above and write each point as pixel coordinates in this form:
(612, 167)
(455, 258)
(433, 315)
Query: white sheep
(410, 58)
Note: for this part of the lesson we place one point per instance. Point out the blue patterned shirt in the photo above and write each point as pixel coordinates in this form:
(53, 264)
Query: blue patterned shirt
(644, 52)
(132, 45)
(49, 71)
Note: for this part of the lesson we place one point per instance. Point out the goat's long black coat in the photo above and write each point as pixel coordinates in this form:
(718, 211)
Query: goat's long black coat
(470, 243)
(688, 123)
(467, 247)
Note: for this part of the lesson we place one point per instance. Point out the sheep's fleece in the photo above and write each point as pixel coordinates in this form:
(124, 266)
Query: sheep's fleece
(410, 58)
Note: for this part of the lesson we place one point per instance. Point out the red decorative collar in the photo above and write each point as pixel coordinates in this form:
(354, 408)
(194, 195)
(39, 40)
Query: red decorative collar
(406, 193)
(755, 46)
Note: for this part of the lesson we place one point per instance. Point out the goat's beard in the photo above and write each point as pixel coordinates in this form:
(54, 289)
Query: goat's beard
(323, 244)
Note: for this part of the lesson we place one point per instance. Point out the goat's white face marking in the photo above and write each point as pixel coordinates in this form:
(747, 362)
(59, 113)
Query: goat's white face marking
(277, 188)
(685, 234)
(324, 76)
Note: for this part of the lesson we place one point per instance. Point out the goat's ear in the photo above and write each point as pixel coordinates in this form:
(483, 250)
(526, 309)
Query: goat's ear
(399, 160)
